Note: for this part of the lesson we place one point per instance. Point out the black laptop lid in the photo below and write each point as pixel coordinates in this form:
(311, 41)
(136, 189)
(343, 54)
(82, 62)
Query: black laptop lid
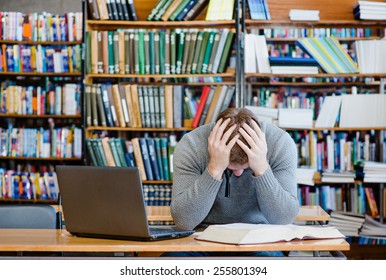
(103, 201)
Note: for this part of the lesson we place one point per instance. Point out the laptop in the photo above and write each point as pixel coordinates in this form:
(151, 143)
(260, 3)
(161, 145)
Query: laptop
(107, 202)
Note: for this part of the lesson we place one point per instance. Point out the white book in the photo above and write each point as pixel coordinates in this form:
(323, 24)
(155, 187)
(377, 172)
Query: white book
(295, 118)
(241, 233)
(264, 111)
(295, 69)
(329, 112)
(220, 101)
(220, 48)
(263, 65)
(363, 110)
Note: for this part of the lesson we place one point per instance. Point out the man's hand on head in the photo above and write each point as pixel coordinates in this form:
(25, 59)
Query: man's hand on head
(219, 150)
(257, 150)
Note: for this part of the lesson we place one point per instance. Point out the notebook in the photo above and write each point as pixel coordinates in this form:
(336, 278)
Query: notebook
(107, 202)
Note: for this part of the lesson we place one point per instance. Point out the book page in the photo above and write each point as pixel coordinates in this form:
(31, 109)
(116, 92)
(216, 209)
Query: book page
(241, 233)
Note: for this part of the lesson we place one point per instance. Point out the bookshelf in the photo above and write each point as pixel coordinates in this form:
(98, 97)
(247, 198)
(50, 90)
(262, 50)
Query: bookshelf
(281, 35)
(40, 103)
(145, 85)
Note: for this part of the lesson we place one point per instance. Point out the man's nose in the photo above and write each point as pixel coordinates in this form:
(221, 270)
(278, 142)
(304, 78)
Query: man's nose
(238, 172)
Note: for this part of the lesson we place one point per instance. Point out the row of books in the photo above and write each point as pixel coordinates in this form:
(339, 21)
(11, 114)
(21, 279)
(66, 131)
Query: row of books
(353, 110)
(35, 100)
(319, 32)
(157, 195)
(25, 185)
(177, 10)
(40, 59)
(29, 167)
(340, 151)
(153, 156)
(41, 27)
(356, 198)
(371, 61)
(65, 142)
(125, 105)
(159, 51)
(111, 10)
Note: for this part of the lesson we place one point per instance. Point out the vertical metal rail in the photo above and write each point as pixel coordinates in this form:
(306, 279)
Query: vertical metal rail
(83, 79)
(240, 31)
(381, 157)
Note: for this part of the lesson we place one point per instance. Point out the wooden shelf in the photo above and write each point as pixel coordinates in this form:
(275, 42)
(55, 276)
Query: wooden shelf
(339, 39)
(337, 128)
(40, 159)
(75, 74)
(249, 23)
(311, 84)
(171, 76)
(24, 200)
(40, 116)
(159, 182)
(12, 42)
(320, 75)
(103, 24)
(142, 129)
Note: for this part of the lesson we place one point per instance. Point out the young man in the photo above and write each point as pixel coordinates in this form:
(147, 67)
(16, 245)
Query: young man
(235, 171)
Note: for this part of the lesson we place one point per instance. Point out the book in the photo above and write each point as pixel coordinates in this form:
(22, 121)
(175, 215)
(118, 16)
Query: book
(243, 234)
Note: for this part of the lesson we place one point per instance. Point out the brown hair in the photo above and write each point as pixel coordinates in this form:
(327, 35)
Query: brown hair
(238, 117)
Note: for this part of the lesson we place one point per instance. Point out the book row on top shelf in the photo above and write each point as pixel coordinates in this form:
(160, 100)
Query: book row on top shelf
(161, 10)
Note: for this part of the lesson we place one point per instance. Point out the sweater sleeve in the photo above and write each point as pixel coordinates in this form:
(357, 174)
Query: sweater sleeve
(194, 189)
(277, 188)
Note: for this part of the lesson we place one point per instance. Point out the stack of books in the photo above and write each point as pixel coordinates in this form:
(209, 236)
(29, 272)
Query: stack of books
(348, 223)
(305, 175)
(333, 176)
(370, 10)
(372, 227)
(265, 114)
(375, 172)
(293, 65)
(305, 15)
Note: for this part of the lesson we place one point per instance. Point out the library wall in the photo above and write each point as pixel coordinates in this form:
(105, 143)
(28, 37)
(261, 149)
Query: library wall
(52, 6)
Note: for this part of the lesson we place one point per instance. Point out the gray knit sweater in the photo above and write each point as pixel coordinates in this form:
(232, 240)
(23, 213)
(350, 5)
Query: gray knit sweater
(199, 200)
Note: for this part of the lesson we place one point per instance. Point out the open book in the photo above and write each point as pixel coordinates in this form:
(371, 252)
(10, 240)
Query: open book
(240, 233)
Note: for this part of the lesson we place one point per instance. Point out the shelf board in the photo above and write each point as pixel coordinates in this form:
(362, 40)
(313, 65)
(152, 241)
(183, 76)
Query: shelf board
(320, 75)
(75, 74)
(40, 159)
(339, 39)
(39, 43)
(336, 128)
(25, 200)
(142, 129)
(307, 24)
(311, 84)
(103, 24)
(40, 116)
(159, 182)
(158, 75)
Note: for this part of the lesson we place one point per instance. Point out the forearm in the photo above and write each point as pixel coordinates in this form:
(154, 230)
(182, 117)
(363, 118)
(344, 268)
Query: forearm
(277, 196)
(193, 197)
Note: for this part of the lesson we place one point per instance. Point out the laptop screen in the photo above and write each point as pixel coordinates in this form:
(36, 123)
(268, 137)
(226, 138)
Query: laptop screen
(105, 201)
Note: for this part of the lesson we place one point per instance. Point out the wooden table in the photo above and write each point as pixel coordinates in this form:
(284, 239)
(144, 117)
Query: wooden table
(310, 213)
(48, 240)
